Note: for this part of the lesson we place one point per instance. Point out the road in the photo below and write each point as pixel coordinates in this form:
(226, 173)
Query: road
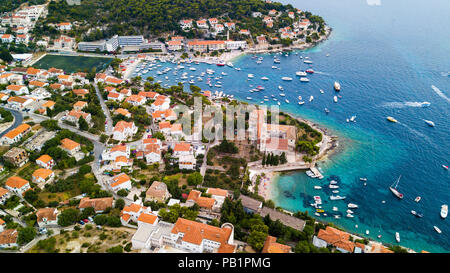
(105, 111)
(18, 119)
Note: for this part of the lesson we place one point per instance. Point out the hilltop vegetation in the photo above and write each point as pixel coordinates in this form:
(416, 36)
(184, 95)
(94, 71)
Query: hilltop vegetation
(9, 5)
(155, 16)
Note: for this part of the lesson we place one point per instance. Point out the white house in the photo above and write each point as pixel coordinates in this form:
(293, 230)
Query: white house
(17, 185)
(121, 181)
(47, 217)
(234, 45)
(4, 195)
(124, 130)
(186, 162)
(116, 151)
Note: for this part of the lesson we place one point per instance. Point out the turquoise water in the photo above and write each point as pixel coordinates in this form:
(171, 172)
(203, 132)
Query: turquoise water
(386, 59)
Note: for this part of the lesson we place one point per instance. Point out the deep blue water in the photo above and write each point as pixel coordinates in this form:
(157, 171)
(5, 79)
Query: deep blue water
(386, 59)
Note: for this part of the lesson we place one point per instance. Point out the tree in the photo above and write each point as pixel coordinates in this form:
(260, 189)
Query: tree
(5, 55)
(194, 179)
(264, 159)
(115, 249)
(82, 124)
(283, 158)
(257, 236)
(26, 235)
(68, 217)
(122, 192)
(120, 203)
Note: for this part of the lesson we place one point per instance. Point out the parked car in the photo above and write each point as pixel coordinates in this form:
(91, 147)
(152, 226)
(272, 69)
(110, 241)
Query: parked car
(90, 219)
(85, 220)
(99, 227)
(81, 222)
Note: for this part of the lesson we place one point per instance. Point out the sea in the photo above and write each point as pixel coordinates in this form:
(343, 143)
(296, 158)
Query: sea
(389, 58)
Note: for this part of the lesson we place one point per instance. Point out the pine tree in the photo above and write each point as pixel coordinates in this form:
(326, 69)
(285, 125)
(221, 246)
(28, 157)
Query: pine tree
(264, 159)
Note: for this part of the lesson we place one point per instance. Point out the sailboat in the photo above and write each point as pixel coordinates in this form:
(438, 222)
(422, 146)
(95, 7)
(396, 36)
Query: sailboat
(394, 188)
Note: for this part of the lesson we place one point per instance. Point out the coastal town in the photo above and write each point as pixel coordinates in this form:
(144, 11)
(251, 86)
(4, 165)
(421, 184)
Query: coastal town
(104, 160)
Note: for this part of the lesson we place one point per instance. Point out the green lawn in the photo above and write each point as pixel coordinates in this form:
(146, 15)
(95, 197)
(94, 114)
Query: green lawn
(72, 64)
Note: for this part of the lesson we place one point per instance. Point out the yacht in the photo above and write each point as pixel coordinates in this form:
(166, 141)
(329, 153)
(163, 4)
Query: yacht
(282, 94)
(413, 212)
(349, 211)
(327, 111)
(337, 86)
(352, 119)
(335, 99)
(417, 199)
(350, 216)
(394, 188)
(337, 197)
(429, 122)
(307, 62)
(437, 229)
(286, 100)
(264, 78)
(300, 73)
(397, 237)
(276, 61)
(230, 64)
(445, 167)
(274, 67)
(321, 91)
(280, 87)
(310, 71)
(301, 102)
(335, 208)
(391, 119)
(192, 68)
(238, 69)
(304, 79)
(250, 76)
(444, 211)
(249, 98)
(333, 187)
(317, 187)
(311, 98)
(335, 191)
(286, 78)
(352, 206)
(223, 73)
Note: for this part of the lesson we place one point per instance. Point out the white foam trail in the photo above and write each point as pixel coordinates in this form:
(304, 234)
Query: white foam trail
(405, 104)
(416, 132)
(321, 73)
(439, 92)
(373, 2)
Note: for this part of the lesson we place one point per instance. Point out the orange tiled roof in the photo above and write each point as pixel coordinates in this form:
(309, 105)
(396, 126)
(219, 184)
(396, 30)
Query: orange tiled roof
(42, 173)
(217, 191)
(48, 104)
(336, 238)
(69, 144)
(16, 182)
(99, 204)
(19, 130)
(122, 111)
(147, 218)
(44, 158)
(271, 246)
(182, 147)
(121, 125)
(120, 179)
(48, 213)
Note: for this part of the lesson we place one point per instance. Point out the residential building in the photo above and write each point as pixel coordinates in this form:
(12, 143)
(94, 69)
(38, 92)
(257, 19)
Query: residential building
(16, 156)
(42, 176)
(17, 89)
(186, 162)
(132, 212)
(47, 217)
(338, 239)
(19, 103)
(116, 151)
(182, 148)
(120, 181)
(45, 161)
(17, 185)
(174, 45)
(99, 204)
(157, 192)
(234, 45)
(4, 195)
(79, 105)
(205, 203)
(70, 146)
(65, 26)
(271, 246)
(8, 238)
(136, 100)
(15, 135)
(123, 130)
(123, 112)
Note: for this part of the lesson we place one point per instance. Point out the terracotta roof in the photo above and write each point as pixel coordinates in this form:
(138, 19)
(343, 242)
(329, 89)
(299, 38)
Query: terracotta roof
(271, 246)
(55, 86)
(48, 104)
(195, 233)
(19, 130)
(336, 238)
(80, 91)
(120, 179)
(279, 144)
(135, 98)
(164, 125)
(152, 148)
(182, 147)
(49, 213)
(204, 202)
(3, 191)
(32, 71)
(217, 191)
(15, 87)
(17, 99)
(113, 95)
(69, 144)
(121, 158)
(122, 111)
(16, 182)
(206, 42)
(42, 173)
(8, 236)
(147, 94)
(44, 158)
(121, 148)
(37, 83)
(147, 218)
(133, 207)
(80, 104)
(99, 204)
(157, 190)
(121, 125)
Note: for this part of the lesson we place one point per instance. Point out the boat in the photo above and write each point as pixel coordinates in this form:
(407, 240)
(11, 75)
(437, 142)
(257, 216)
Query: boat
(419, 215)
(397, 237)
(337, 217)
(299, 97)
(238, 69)
(445, 167)
(417, 199)
(352, 119)
(335, 99)
(221, 63)
(333, 182)
(335, 191)
(444, 211)
(352, 206)
(249, 98)
(327, 111)
(320, 210)
(223, 73)
(429, 122)
(337, 197)
(264, 78)
(333, 187)
(300, 73)
(317, 187)
(310, 71)
(350, 216)
(286, 100)
(274, 67)
(335, 209)
(391, 119)
(250, 76)
(349, 211)
(311, 98)
(307, 62)
(437, 229)
(337, 86)
(363, 179)
(280, 87)
(282, 94)
(276, 61)
(304, 79)
(286, 78)
(367, 232)
(301, 102)
(316, 214)
(230, 64)
(321, 91)
(394, 188)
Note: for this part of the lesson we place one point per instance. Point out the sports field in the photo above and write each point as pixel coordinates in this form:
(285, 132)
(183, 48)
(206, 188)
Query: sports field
(72, 64)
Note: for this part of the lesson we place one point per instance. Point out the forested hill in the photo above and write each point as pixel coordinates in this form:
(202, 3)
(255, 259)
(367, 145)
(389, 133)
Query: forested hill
(9, 5)
(155, 16)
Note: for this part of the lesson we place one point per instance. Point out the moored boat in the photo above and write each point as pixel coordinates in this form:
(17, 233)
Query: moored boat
(397, 237)
(337, 86)
(394, 188)
(437, 229)
(391, 119)
(444, 211)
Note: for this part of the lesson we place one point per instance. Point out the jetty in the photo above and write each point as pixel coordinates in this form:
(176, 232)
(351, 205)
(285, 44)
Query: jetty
(316, 172)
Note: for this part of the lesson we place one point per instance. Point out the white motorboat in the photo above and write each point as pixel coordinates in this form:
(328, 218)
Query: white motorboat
(335, 99)
(429, 122)
(224, 73)
(337, 197)
(334, 182)
(249, 98)
(350, 216)
(278, 103)
(321, 91)
(250, 76)
(304, 79)
(317, 187)
(333, 187)
(286, 78)
(282, 94)
(335, 209)
(444, 211)
(301, 73)
(286, 100)
(301, 102)
(311, 98)
(437, 229)
(397, 237)
(307, 62)
(264, 78)
(274, 67)
(230, 64)
(349, 211)
(337, 86)
(337, 217)
(352, 206)
(335, 191)
(280, 87)
(352, 119)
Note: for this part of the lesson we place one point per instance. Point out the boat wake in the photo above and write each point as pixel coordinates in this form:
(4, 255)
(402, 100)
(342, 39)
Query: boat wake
(322, 73)
(440, 94)
(405, 104)
(414, 131)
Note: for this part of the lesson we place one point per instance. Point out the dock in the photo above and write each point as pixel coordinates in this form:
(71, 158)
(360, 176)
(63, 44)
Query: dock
(316, 172)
